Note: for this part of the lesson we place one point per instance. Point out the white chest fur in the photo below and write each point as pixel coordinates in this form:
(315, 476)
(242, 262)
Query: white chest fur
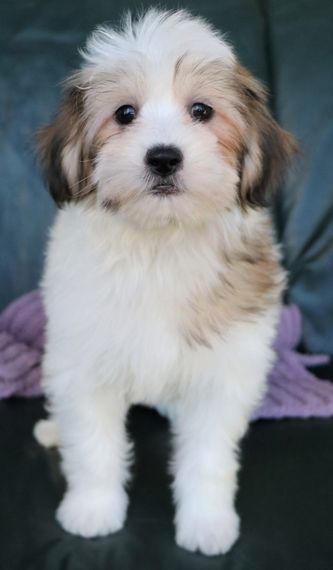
(116, 304)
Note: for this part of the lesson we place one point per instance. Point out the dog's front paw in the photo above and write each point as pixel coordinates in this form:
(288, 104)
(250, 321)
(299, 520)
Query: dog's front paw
(91, 513)
(211, 534)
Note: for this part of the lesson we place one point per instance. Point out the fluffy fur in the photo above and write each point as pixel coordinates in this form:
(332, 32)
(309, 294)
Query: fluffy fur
(164, 300)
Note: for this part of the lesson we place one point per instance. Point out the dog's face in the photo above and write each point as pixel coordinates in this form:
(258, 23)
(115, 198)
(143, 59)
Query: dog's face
(163, 126)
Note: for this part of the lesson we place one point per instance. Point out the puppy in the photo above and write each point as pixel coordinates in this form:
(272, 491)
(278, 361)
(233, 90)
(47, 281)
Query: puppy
(162, 283)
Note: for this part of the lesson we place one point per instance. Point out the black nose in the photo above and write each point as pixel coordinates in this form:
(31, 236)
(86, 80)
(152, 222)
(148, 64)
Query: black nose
(164, 160)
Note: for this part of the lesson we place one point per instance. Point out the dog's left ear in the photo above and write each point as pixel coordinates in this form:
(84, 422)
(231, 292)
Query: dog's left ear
(64, 155)
(267, 148)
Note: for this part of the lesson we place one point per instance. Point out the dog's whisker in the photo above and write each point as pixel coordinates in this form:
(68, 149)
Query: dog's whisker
(81, 181)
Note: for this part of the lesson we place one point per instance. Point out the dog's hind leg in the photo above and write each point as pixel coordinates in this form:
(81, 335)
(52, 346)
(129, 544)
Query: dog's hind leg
(46, 433)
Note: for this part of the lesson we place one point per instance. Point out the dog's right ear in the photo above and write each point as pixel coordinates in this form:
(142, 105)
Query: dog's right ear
(64, 156)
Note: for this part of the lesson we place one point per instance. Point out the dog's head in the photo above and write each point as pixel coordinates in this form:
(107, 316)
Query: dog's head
(162, 125)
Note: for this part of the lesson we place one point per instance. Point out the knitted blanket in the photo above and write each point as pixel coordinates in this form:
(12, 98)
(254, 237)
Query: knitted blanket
(292, 390)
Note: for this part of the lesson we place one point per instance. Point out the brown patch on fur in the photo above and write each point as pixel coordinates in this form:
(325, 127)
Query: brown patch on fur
(178, 66)
(229, 135)
(106, 131)
(111, 204)
(247, 134)
(66, 160)
(250, 281)
(267, 148)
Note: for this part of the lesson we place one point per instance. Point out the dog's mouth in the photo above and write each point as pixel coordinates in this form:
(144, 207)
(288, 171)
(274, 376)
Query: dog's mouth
(164, 189)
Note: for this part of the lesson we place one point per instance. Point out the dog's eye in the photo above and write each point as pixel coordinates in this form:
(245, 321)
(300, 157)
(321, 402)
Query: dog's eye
(201, 112)
(125, 114)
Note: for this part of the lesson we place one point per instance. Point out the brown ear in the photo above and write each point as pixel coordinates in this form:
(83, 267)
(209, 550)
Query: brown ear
(267, 148)
(63, 154)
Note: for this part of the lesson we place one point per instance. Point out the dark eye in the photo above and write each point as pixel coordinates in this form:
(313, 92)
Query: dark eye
(125, 114)
(201, 112)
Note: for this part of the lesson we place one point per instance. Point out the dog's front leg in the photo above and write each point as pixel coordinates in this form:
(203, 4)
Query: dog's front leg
(94, 452)
(205, 480)
(211, 420)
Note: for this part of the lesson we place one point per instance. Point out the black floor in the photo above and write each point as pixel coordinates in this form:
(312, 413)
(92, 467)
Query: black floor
(285, 500)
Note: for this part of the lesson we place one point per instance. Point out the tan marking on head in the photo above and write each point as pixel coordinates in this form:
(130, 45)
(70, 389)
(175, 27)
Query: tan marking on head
(247, 134)
(228, 130)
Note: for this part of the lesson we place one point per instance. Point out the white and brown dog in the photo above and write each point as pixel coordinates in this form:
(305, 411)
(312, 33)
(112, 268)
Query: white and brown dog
(162, 283)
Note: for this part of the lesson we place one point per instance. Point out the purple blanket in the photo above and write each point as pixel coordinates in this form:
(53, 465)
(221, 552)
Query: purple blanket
(292, 390)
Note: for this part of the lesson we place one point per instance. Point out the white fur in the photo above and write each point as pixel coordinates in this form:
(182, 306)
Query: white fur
(114, 287)
(46, 433)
